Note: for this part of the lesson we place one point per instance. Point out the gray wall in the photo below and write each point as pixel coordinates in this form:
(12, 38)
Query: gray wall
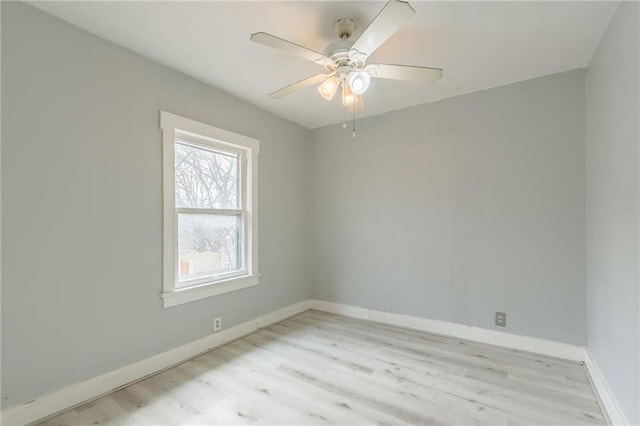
(460, 208)
(613, 214)
(81, 192)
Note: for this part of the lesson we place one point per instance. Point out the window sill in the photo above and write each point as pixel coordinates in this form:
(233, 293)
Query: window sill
(190, 294)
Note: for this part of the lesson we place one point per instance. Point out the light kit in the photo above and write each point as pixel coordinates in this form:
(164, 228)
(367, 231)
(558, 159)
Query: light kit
(353, 82)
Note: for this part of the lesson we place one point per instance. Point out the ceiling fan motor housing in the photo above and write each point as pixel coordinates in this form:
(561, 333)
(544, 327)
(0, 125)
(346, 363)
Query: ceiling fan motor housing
(339, 54)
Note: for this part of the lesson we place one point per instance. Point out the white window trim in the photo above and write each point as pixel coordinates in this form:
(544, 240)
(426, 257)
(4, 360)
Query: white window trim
(171, 295)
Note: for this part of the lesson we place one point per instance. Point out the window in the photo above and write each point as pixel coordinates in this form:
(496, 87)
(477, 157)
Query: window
(210, 210)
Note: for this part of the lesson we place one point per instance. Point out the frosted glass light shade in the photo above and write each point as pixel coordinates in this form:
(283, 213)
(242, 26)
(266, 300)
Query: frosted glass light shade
(359, 82)
(329, 88)
(348, 98)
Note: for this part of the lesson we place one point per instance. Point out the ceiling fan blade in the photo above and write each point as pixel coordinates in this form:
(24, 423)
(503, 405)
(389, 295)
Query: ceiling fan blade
(318, 78)
(394, 15)
(404, 72)
(287, 46)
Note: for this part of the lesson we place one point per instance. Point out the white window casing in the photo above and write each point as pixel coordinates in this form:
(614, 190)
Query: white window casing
(199, 135)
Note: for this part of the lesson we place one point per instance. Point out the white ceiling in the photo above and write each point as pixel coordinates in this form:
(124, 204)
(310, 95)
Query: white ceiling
(478, 44)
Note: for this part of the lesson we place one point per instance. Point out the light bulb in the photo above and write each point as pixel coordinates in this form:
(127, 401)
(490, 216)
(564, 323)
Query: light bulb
(359, 82)
(328, 88)
(347, 95)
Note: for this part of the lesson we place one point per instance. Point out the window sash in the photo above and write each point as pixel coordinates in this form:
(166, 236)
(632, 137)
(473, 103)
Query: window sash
(212, 278)
(208, 144)
(216, 148)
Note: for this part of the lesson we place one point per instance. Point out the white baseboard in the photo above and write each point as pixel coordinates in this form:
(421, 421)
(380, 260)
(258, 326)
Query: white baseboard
(283, 313)
(476, 334)
(79, 393)
(616, 416)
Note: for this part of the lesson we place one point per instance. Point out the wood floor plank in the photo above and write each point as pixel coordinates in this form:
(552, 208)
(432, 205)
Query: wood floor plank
(328, 401)
(555, 382)
(301, 349)
(552, 384)
(544, 365)
(467, 389)
(319, 368)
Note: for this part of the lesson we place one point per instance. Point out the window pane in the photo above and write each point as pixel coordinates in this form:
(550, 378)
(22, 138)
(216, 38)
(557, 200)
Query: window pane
(208, 245)
(206, 179)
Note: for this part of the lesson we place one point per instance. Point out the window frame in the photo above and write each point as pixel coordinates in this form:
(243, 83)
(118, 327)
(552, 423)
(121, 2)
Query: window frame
(187, 139)
(210, 137)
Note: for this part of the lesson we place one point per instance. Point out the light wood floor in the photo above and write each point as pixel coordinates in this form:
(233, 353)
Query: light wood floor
(318, 368)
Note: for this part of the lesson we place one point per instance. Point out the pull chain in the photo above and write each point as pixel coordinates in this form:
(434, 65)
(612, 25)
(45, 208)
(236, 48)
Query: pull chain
(353, 134)
(344, 117)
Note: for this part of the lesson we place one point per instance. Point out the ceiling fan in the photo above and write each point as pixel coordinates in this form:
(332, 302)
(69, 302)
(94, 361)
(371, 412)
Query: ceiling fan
(345, 60)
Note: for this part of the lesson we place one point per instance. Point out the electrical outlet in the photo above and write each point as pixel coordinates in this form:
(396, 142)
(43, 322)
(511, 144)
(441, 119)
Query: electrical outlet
(501, 319)
(217, 324)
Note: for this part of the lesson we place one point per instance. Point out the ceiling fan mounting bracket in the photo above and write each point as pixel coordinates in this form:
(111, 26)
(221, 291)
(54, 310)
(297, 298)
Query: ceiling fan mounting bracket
(344, 27)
